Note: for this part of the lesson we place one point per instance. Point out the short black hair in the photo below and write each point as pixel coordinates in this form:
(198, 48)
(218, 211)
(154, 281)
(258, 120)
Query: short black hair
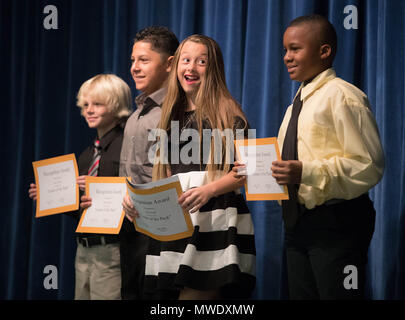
(162, 39)
(327, 30)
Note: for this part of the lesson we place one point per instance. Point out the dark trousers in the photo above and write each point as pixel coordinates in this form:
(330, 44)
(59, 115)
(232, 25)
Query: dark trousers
(133, 246)
(327, 250)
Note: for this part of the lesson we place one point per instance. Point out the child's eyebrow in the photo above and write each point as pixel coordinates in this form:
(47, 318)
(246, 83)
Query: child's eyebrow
(185, 52)
(139, 56)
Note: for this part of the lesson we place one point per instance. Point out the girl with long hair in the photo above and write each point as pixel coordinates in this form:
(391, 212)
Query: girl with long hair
(218, 260)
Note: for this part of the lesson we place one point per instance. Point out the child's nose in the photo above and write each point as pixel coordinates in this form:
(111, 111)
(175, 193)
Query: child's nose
(135, 66)
(191, 66)
(287, 57)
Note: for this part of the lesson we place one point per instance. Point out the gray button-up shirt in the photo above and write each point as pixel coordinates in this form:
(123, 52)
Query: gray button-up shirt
(134, 161)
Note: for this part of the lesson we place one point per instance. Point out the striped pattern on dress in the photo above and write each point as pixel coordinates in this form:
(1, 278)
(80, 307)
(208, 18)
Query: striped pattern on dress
(220, 253)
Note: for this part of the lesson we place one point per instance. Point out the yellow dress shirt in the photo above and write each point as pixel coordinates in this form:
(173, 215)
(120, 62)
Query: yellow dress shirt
(338, 141)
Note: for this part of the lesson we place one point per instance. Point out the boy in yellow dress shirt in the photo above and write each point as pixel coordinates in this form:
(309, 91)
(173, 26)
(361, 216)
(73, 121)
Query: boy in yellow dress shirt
(331, 157)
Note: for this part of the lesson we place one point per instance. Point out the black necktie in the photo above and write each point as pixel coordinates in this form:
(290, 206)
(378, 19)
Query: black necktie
(290, 152)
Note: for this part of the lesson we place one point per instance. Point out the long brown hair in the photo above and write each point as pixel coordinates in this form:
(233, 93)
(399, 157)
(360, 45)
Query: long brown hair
(214, 103)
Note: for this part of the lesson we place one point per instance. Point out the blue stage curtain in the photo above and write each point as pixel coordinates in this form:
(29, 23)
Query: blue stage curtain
(42, 70)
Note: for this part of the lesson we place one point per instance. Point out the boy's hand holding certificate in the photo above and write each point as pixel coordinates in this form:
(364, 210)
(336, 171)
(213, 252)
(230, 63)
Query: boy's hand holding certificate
(160, 215)
(258, 155)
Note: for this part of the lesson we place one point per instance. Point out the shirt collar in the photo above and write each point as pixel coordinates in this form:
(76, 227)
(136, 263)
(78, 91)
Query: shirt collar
(109, 136)
(316, 83)
(158, 97)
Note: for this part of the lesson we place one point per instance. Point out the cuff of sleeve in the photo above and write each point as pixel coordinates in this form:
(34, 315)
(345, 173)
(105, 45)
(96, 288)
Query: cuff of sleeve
(311, 175)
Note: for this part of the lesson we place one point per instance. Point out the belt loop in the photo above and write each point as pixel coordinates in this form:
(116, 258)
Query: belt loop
(102, 240)
(83, 241)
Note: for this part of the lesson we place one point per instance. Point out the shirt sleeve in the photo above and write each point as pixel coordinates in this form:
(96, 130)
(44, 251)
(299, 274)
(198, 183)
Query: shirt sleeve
(357, 166)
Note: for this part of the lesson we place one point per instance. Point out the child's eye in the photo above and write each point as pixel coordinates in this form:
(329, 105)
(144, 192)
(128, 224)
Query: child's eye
(185, 60)
(202, 62)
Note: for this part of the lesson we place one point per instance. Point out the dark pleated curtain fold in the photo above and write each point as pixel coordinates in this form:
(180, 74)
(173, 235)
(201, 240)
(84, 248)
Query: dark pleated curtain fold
(42, 70)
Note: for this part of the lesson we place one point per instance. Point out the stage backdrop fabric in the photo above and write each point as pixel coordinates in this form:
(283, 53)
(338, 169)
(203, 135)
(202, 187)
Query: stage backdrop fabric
(42, 70)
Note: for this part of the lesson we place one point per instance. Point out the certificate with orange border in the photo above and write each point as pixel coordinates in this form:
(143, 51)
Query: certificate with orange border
(161, 216)
(105, 215)
(258, 154)
(57, 190)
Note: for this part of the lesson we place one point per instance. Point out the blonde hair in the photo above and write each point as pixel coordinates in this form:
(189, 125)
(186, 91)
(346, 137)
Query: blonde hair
(109, 90)
(214, 104)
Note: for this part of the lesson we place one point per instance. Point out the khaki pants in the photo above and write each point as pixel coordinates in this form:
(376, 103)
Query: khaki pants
(98, 272)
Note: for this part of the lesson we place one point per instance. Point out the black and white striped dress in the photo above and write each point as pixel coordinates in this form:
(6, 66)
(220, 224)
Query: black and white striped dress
(220, 255)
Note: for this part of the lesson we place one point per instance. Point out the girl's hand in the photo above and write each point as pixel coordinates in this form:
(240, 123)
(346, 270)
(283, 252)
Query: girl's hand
(130, 211)
(192, 200)
(239, 170)
(32, 191)
(81, 181)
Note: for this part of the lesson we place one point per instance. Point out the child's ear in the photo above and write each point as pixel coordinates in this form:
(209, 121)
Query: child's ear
(326, 51)
(169, 63)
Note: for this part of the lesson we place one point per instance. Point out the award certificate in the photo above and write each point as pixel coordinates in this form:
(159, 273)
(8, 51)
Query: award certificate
(161, 216)
(258, 154)
(105, 215)
(57, 190)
